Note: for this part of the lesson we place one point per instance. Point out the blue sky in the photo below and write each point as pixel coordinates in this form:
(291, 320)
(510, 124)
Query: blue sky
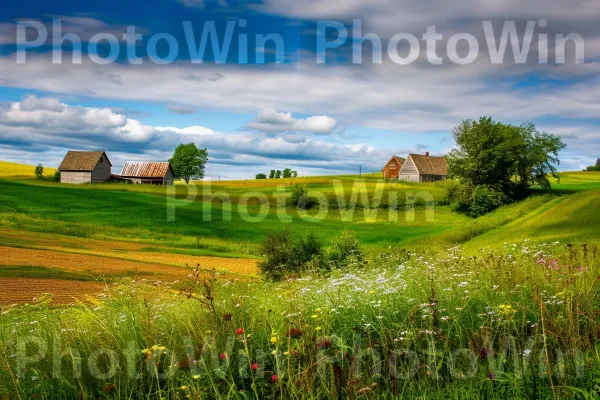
(289, 111)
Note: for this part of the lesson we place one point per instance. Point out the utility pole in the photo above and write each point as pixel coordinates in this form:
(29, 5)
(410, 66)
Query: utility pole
(360, 170)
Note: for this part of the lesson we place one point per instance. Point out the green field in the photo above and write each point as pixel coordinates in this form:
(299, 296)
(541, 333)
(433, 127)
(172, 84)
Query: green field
(442, 299)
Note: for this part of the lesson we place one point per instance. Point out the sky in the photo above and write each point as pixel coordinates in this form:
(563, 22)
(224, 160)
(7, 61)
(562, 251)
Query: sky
(292, 83)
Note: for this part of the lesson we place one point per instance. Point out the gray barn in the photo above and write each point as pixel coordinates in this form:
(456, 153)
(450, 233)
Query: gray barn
(85, 167)
(423, 168)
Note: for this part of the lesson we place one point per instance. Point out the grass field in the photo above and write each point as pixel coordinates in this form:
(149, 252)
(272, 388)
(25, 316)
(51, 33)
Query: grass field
(442, 315)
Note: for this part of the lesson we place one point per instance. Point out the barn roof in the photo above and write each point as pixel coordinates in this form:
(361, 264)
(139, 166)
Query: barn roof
(398, 159)
(430, 165)
(145, 169)
(81, 160)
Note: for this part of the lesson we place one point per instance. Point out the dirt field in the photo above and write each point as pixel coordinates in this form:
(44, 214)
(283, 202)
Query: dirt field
(19, 291)
(102, 258)
(106, 256)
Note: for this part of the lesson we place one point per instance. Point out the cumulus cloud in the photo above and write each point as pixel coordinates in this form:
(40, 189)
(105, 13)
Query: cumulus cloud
(269, 120)
(42, 129)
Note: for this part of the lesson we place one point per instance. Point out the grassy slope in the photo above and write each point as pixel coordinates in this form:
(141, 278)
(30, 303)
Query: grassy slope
(86, 212)
(138, 212)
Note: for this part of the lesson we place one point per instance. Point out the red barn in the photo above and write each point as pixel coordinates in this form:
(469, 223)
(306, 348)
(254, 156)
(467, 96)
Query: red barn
(392, 168)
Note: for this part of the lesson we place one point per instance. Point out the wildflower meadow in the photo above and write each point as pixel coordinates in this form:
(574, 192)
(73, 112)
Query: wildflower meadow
(516, 322)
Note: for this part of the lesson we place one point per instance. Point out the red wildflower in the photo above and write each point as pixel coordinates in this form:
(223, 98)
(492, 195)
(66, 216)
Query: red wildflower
(110, 388)
(254, 366)
(324, 344)
(274, 378)
(240, 331)
(294, 333)
(223, 356)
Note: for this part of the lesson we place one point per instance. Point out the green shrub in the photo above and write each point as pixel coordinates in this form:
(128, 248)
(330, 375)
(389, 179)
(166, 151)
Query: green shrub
(288, 256)
(278, 249)
(261, 176)
(54, 177)
(345, 251)
(484, 199)
(300, 198)
(475, 200)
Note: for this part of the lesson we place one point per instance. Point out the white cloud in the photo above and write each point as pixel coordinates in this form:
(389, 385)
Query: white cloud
(43, 129)
(270, 120)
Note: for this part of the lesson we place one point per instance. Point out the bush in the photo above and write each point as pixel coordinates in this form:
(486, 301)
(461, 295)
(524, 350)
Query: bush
(484, 199)
(300, 199)
(278, 249)
(288, 256)
(345, 251)
(475, 200)
(261, 176)
(54, 177)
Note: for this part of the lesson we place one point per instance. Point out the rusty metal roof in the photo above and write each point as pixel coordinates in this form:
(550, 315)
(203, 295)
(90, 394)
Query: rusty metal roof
(145, 169)
(81, 160)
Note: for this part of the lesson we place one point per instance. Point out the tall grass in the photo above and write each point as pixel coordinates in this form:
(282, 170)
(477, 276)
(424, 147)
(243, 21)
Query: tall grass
(521, 322)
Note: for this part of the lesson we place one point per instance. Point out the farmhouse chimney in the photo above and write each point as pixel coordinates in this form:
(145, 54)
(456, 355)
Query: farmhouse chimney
(426, 154)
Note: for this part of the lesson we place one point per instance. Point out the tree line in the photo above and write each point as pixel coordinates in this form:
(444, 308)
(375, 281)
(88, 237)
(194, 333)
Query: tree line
(277, 174)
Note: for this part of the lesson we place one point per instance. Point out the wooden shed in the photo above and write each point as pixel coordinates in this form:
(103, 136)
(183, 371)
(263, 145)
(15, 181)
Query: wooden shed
(85, 167)
(154, 173)
(392, 168)
(424, 168)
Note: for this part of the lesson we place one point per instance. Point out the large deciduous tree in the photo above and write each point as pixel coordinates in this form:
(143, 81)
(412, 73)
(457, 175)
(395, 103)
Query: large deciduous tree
(188, 161)
(495, 158)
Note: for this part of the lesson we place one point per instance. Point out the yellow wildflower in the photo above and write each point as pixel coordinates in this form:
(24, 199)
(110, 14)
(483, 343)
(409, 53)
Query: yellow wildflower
(318, 328)
(274, 339)
(196, 377)
(314, 316)
(318, 310)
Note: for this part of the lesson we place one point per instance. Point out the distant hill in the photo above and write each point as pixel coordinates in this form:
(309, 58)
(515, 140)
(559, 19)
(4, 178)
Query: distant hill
(10, 170)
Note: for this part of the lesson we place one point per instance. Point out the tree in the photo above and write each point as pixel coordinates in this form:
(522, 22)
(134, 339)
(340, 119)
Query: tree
(188, 162)
(261, 176)
(491, 153)
(287, 173)
(294, 174)
(39, 171)
(278, 174)
(498, 161)
(594, 167)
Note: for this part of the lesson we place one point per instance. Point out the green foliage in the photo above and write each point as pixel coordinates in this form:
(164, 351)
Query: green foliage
(278, 174)
(300, 198)
(188, 161)
(272, 174)
(261, 176)
(476, 200)
(55, 177)
(501, 161)
(39, 174)
(492, 153)
(595, 167)
(287, 255)
(287, 173)
(39, 171)
(345, 251)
